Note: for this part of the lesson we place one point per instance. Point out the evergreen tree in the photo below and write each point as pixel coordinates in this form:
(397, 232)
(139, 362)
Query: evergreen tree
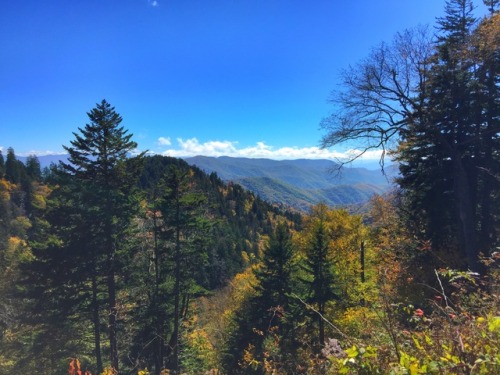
(14, 169)
(98, 160)
(265, 324)
(438, 101)
(33, 169)
(275, 273)
(152, 276)
(492, 5)
(171, 268)
(2, 165)
(447, 158)
(185, 230)
(319, 266)
(57, 281)
(457, 23)
(485, 53)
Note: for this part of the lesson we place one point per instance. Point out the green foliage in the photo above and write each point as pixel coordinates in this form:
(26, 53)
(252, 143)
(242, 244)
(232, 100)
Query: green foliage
(262, 332)
(274, 275)
(2, 165)
(297, 183)
(360, 360)
(319, 266)
(198, 352)
(435, 100)
(33, 169)
(452, 140)
(14, 169)
(456, 337)
(178, 271)
(97, 160)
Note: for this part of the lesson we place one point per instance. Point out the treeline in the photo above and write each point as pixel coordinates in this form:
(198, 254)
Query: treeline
(102, 256)
(349, 294)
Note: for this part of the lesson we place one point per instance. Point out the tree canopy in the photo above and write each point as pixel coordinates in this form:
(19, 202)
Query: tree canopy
(433, 103)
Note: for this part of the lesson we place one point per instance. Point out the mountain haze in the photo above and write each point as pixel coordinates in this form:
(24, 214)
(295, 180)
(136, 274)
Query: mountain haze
(47, 160)
(297, 183)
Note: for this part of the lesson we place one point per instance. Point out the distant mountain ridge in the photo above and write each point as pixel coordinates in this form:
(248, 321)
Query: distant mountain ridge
(297, 183)
(46, 160)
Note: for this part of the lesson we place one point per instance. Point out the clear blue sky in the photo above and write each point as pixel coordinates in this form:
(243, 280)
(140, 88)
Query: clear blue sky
(236, 77)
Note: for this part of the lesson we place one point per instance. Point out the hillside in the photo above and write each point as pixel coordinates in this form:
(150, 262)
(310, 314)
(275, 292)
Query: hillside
(297, 183)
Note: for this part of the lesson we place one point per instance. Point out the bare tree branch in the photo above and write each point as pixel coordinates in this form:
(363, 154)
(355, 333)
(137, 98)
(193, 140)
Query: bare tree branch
(380, 96)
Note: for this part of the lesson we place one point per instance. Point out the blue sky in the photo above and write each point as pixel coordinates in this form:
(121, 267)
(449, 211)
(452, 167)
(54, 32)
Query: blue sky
(220, 77)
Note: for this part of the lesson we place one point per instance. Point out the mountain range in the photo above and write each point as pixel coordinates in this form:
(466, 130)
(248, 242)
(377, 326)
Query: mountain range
(298, 183)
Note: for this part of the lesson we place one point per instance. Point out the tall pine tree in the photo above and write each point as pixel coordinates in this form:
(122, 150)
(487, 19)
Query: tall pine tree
(185, 231)
(14, 169)
(98, 160)
(319, 266)
(264, 327)
(447, 159)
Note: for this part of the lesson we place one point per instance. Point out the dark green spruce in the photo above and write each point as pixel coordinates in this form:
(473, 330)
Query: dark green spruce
(98, 160)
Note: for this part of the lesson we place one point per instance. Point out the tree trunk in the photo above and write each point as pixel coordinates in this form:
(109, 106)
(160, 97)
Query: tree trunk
(96, 322)
(159, 353)
(177, 290)
(463, 196)
(321, 309)
(113, 311)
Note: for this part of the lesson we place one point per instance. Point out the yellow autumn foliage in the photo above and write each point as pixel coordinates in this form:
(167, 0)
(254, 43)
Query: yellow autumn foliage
(345, 234)
(109, 371)
(14, 243)
(38, 201)
(5, 189)
(17, 250)
(39, 196)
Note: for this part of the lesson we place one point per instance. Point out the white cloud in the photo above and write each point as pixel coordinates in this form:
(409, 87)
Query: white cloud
(164, 141)
(41, 153)
(153, 3)
(193, 147)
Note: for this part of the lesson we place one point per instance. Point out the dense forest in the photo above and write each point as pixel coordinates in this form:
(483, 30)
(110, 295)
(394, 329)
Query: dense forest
(122, 263)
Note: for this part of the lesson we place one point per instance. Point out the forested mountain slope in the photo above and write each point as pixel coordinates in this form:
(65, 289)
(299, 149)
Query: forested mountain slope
(244, 218)
(145, 265)
(175, 234)
(298, 183)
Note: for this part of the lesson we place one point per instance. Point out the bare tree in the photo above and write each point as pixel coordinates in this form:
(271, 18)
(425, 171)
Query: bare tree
(380, 96)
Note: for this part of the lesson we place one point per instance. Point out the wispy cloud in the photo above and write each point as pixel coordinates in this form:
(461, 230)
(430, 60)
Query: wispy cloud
(164, 141)
(153, 3)
(193, 147)
(41, 153)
